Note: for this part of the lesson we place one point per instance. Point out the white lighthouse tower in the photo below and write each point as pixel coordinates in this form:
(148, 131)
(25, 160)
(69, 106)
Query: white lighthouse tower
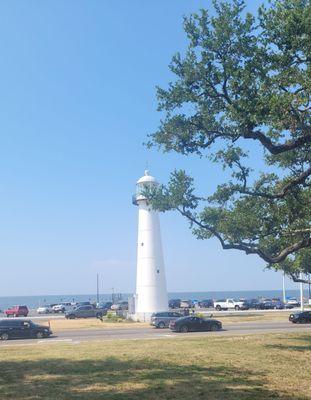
(151, 293)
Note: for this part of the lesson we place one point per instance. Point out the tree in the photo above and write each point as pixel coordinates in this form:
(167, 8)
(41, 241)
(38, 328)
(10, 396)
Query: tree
(244, 79)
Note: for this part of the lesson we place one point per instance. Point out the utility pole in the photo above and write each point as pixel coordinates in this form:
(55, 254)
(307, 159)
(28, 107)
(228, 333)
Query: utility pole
(301, 293)
(97, 287)
(284, 292)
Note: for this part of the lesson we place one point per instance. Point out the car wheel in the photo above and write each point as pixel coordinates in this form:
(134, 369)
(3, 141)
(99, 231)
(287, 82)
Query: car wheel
(214, 327)
(72, 317)
(4, 336)
(98, 315)
(39, 335)
(184, 329)
(218, 308)
(161, 325)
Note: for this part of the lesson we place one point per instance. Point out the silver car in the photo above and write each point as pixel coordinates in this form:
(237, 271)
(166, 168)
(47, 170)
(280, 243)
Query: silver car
(163, 319)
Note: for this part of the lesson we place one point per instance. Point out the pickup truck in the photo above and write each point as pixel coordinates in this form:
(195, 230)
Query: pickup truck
(87, 311)
(230, 304)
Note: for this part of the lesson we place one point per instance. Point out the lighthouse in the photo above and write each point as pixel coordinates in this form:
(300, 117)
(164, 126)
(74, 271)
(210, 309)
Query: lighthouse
(151, 292)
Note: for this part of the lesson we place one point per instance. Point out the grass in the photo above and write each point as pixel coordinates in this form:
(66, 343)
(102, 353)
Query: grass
(256, 367)
(62, 324)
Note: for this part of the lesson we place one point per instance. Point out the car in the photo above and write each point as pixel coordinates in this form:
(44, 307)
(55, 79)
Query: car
(62, 307)
(302, 317)
(195, 324)
(87, 311)
(278, 305)
(17, 311)
(47, 309)
(104, 305)
(122, 305)
(266, 304)
(185, 304)
(293, 302)
(81, 303)
(22, 329)
(252, 303)
(163, 319)
(207, 303)
(174, 303)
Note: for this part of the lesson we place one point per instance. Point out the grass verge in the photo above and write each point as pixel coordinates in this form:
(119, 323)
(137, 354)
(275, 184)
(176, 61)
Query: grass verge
(62, 324)
(256, 367)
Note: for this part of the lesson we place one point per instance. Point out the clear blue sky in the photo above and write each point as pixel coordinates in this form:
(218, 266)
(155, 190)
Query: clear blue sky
(77, 101)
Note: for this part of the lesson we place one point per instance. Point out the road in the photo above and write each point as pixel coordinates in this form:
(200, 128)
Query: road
(87, 335)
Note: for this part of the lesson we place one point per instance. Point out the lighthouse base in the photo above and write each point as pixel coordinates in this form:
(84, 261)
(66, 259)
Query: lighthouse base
(141, 317)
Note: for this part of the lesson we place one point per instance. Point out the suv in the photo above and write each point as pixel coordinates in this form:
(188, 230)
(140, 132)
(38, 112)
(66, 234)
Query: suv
(21, 329)
(85, 312)
(163, 319)
(17, 311)
(174, 303)
(208, 303)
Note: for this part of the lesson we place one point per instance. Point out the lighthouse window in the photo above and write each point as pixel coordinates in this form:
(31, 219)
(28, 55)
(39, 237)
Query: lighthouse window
(142, 244)
(158, 271)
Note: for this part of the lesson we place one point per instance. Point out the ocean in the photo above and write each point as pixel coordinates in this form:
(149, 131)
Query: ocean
(35, 301)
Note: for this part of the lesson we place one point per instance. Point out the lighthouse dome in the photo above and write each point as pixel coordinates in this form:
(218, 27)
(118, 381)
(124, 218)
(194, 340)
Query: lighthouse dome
(147, 179)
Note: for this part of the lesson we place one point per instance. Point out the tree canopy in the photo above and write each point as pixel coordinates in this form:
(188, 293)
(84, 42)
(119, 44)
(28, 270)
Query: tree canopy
(242, 79)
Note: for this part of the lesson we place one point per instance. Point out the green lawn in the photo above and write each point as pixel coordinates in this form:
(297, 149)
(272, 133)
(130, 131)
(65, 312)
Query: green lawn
(241, 367)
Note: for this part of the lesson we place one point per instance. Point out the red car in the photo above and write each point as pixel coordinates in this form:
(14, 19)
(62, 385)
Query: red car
(17, 311)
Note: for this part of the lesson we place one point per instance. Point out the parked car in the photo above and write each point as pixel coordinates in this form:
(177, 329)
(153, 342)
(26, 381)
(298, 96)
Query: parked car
(82, 303)
(163, 319)
(186, 304)
(293, 301)
(17, 311)
(174, 303)
(47, 309)
(21, 329)
(278, 305)
(195, 324)
(230, 304)
(106, 305)
(122, 305)
(252, 303)
(302, 317)
(208, 303)
(87, 311)
(62, 307)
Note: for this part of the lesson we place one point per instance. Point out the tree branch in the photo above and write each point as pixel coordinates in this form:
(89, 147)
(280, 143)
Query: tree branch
(249, 249)
(277, 148)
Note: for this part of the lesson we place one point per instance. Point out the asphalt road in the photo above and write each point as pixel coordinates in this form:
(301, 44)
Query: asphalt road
(87, 335)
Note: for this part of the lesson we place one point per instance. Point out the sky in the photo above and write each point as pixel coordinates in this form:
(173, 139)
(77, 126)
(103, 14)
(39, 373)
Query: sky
(77, 102)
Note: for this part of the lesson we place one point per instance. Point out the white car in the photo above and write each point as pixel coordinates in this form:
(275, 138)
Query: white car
(293, 302)
(45, 310)
(62, 307)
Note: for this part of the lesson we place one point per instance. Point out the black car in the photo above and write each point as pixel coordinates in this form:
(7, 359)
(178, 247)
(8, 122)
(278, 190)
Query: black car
(163, 319)
(303, 317)
(252, 303)
(22, 329)
(208, 303)
(195, 324)
(174, 303)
